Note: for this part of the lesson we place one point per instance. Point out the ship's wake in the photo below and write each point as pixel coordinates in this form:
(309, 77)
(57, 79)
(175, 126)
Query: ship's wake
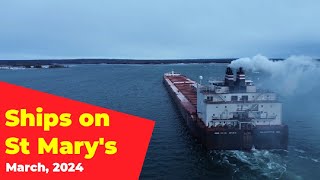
(256, 164)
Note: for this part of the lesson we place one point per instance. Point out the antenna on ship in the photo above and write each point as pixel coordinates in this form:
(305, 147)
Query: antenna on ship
(200, 77)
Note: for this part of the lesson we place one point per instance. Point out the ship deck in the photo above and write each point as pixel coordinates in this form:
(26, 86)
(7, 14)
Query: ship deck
(181, 85)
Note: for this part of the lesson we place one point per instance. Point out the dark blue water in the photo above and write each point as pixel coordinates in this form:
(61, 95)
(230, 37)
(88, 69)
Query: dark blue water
(173, 153)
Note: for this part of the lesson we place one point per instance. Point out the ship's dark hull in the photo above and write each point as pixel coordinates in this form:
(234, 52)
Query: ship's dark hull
(264, 137)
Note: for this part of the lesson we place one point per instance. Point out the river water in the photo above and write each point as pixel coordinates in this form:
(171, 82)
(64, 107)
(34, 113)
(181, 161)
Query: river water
(173, 153)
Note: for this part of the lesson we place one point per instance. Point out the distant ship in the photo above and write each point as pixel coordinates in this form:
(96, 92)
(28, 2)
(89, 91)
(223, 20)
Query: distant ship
(231, 114)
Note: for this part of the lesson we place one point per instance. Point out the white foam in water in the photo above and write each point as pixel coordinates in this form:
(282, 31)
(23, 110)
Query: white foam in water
(261, 163)
(296, 74)
(299, 150)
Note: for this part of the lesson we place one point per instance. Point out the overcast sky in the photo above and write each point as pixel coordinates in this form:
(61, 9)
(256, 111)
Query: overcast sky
(158, 28)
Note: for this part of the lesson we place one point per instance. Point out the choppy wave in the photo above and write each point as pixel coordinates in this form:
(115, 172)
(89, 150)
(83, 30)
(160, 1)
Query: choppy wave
(256, 164)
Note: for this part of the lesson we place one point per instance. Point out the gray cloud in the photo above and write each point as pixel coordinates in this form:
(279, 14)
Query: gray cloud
(158, 29)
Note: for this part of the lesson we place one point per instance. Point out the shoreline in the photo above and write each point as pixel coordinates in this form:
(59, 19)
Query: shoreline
(52, 62)
(63, 63)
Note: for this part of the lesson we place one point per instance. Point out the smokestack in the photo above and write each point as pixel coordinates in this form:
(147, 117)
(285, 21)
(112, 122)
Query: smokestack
(228, 80)
(241, 79)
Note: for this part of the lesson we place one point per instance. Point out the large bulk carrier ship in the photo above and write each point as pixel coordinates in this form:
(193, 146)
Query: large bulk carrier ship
(231, 114)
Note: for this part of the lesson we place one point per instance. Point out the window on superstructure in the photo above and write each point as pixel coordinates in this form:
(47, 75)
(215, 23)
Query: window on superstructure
(234, 98)
(244, 98)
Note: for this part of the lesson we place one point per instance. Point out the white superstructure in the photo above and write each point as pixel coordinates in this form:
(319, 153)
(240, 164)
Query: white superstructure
(236, 103)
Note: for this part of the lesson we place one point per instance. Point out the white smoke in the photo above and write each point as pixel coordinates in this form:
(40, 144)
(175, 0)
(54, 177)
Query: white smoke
(294, 75)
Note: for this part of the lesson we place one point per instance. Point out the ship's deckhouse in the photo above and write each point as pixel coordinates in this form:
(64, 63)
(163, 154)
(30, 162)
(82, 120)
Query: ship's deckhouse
(236, 102)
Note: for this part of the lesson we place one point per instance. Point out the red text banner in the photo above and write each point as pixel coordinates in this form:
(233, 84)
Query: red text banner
(51, 137)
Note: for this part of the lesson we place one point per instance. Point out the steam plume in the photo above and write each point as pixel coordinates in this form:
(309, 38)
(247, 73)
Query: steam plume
(296, 74)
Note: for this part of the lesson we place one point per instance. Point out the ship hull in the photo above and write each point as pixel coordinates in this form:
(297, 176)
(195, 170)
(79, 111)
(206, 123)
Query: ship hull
(265, 137)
